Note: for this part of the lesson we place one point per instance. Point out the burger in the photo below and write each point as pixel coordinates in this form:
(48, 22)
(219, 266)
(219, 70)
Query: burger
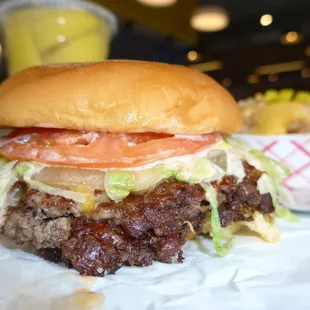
(119, 163)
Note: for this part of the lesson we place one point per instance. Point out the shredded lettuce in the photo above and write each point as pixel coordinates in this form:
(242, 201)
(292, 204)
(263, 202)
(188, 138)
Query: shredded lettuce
(234, 165)
(275, 169)
(267, 184)
(202, 170)
(257, 158)
(27, 170)
(237, 143)
(119, 184)
(22, 168)
(215, 222)
(218, 157)
(272, 178)
(233, 160)
(166, 172)
(285, 197)
(8, 176)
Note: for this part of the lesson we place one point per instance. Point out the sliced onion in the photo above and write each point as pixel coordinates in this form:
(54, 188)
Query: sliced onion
(16, 193)
(72, 178)
(218, 157)
(145, 179)
(69, 178)
(102, 198)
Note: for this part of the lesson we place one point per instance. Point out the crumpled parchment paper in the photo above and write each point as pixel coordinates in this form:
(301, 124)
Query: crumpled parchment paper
(254, 276)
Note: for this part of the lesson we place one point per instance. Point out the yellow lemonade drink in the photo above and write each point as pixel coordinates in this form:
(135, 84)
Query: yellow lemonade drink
(55, 32)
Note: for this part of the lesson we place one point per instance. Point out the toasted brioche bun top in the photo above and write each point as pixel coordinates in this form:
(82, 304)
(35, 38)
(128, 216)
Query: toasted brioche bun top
(118, 96)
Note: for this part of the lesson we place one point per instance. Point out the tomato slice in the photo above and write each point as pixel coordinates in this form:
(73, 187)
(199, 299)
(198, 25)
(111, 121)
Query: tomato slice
(84, 149)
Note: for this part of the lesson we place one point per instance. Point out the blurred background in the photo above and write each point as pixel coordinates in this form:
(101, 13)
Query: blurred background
(248, 46)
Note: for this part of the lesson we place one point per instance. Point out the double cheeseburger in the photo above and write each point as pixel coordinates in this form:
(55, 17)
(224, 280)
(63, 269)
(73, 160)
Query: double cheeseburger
(120, 163)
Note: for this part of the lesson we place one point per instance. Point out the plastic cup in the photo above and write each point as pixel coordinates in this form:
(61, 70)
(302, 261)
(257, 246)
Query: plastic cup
(39, 32)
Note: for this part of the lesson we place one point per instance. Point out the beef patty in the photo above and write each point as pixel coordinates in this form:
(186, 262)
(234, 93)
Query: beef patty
(134, 232)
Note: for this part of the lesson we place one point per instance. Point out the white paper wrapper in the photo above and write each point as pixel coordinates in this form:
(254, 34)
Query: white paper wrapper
(293, 151)
(255, 275)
